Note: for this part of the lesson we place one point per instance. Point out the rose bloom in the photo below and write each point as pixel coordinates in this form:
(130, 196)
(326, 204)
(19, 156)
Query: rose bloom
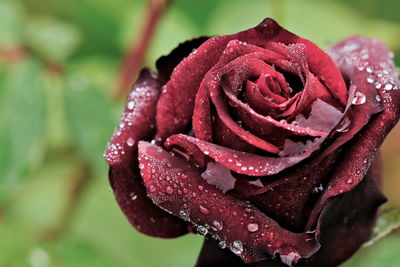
(260, 141)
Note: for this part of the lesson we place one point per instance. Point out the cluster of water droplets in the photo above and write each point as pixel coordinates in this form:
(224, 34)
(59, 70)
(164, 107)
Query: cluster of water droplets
(382, 76)
(136, 102)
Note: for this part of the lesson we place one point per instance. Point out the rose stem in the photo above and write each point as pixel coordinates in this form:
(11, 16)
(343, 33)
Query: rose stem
(79, 183)
(134, 58)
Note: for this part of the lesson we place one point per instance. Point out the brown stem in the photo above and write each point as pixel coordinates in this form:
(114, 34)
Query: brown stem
(12, 54)
(135, 56)
(78, 185)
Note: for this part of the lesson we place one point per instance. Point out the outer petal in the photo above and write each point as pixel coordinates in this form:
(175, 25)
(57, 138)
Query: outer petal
(166, 64)
(363, 148)
(347, 221)
(176, 185)
(137, 123)
(344, 225)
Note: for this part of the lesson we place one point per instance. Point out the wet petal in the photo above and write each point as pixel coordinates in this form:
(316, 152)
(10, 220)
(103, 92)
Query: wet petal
(352, 215)
(247, 231)
(121, 154)
(238, 161)
(362, 151)
(166, 64)
(146, 217)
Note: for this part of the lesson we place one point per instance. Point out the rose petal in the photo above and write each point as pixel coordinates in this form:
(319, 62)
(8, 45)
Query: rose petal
(352, 214)
(166, 64)
(212, 255)
(177, 186)
(241, 162)
(137, 120)
(178, 99)
(121, 154)
(362, 150)
(146, 217)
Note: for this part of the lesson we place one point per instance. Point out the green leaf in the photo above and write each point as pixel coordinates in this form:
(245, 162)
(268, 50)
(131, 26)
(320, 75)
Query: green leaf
(388, 222)
(90, 117)
(11, 24)
(52, 39)
(22, 122)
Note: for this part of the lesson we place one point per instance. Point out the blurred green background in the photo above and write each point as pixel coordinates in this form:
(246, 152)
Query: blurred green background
(59, 64)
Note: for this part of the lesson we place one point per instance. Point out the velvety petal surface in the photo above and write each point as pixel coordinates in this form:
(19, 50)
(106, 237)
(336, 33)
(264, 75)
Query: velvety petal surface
(137, 123)
(361, 60)
(177, 186)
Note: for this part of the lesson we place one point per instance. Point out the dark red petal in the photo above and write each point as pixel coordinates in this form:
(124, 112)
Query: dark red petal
(212, 255)
(177, 186)
(146, 217)
(166, 64)
(178, 100)
(344, 225)
(361, 151)
(346, 222)
(242, 162)
(137, 123)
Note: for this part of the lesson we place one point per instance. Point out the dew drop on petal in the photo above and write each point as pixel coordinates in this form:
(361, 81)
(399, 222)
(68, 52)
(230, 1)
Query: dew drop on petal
(152, 188)
(169, 190)
(222, 244)
(370, 79)
(389, 86)
(252, 227)
(203, 210)
(131, 105)
(202, 230)
(369, 69)
(359, 98)
(130, 141)
(217, 225)
(237, 247)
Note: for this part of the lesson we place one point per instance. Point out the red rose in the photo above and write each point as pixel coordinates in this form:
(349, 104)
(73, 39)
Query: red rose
(262, 142)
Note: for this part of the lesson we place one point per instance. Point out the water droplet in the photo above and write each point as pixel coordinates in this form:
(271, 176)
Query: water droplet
(201, 187)
(130, 141)
(169, 190)
(370, 79)
(217, 225)
(344, 127)
(378, 85)
(184, 214)
(350, 180)
(131, 105)
(222, 244)
(152, 188)
(290, 259)
(252, 227)
(141, 166)
(359, 98)
(237, 247)
(206, 152)
(389, 86)
(378, 98)
(202, 230)
(203, 210)
(369, 69)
